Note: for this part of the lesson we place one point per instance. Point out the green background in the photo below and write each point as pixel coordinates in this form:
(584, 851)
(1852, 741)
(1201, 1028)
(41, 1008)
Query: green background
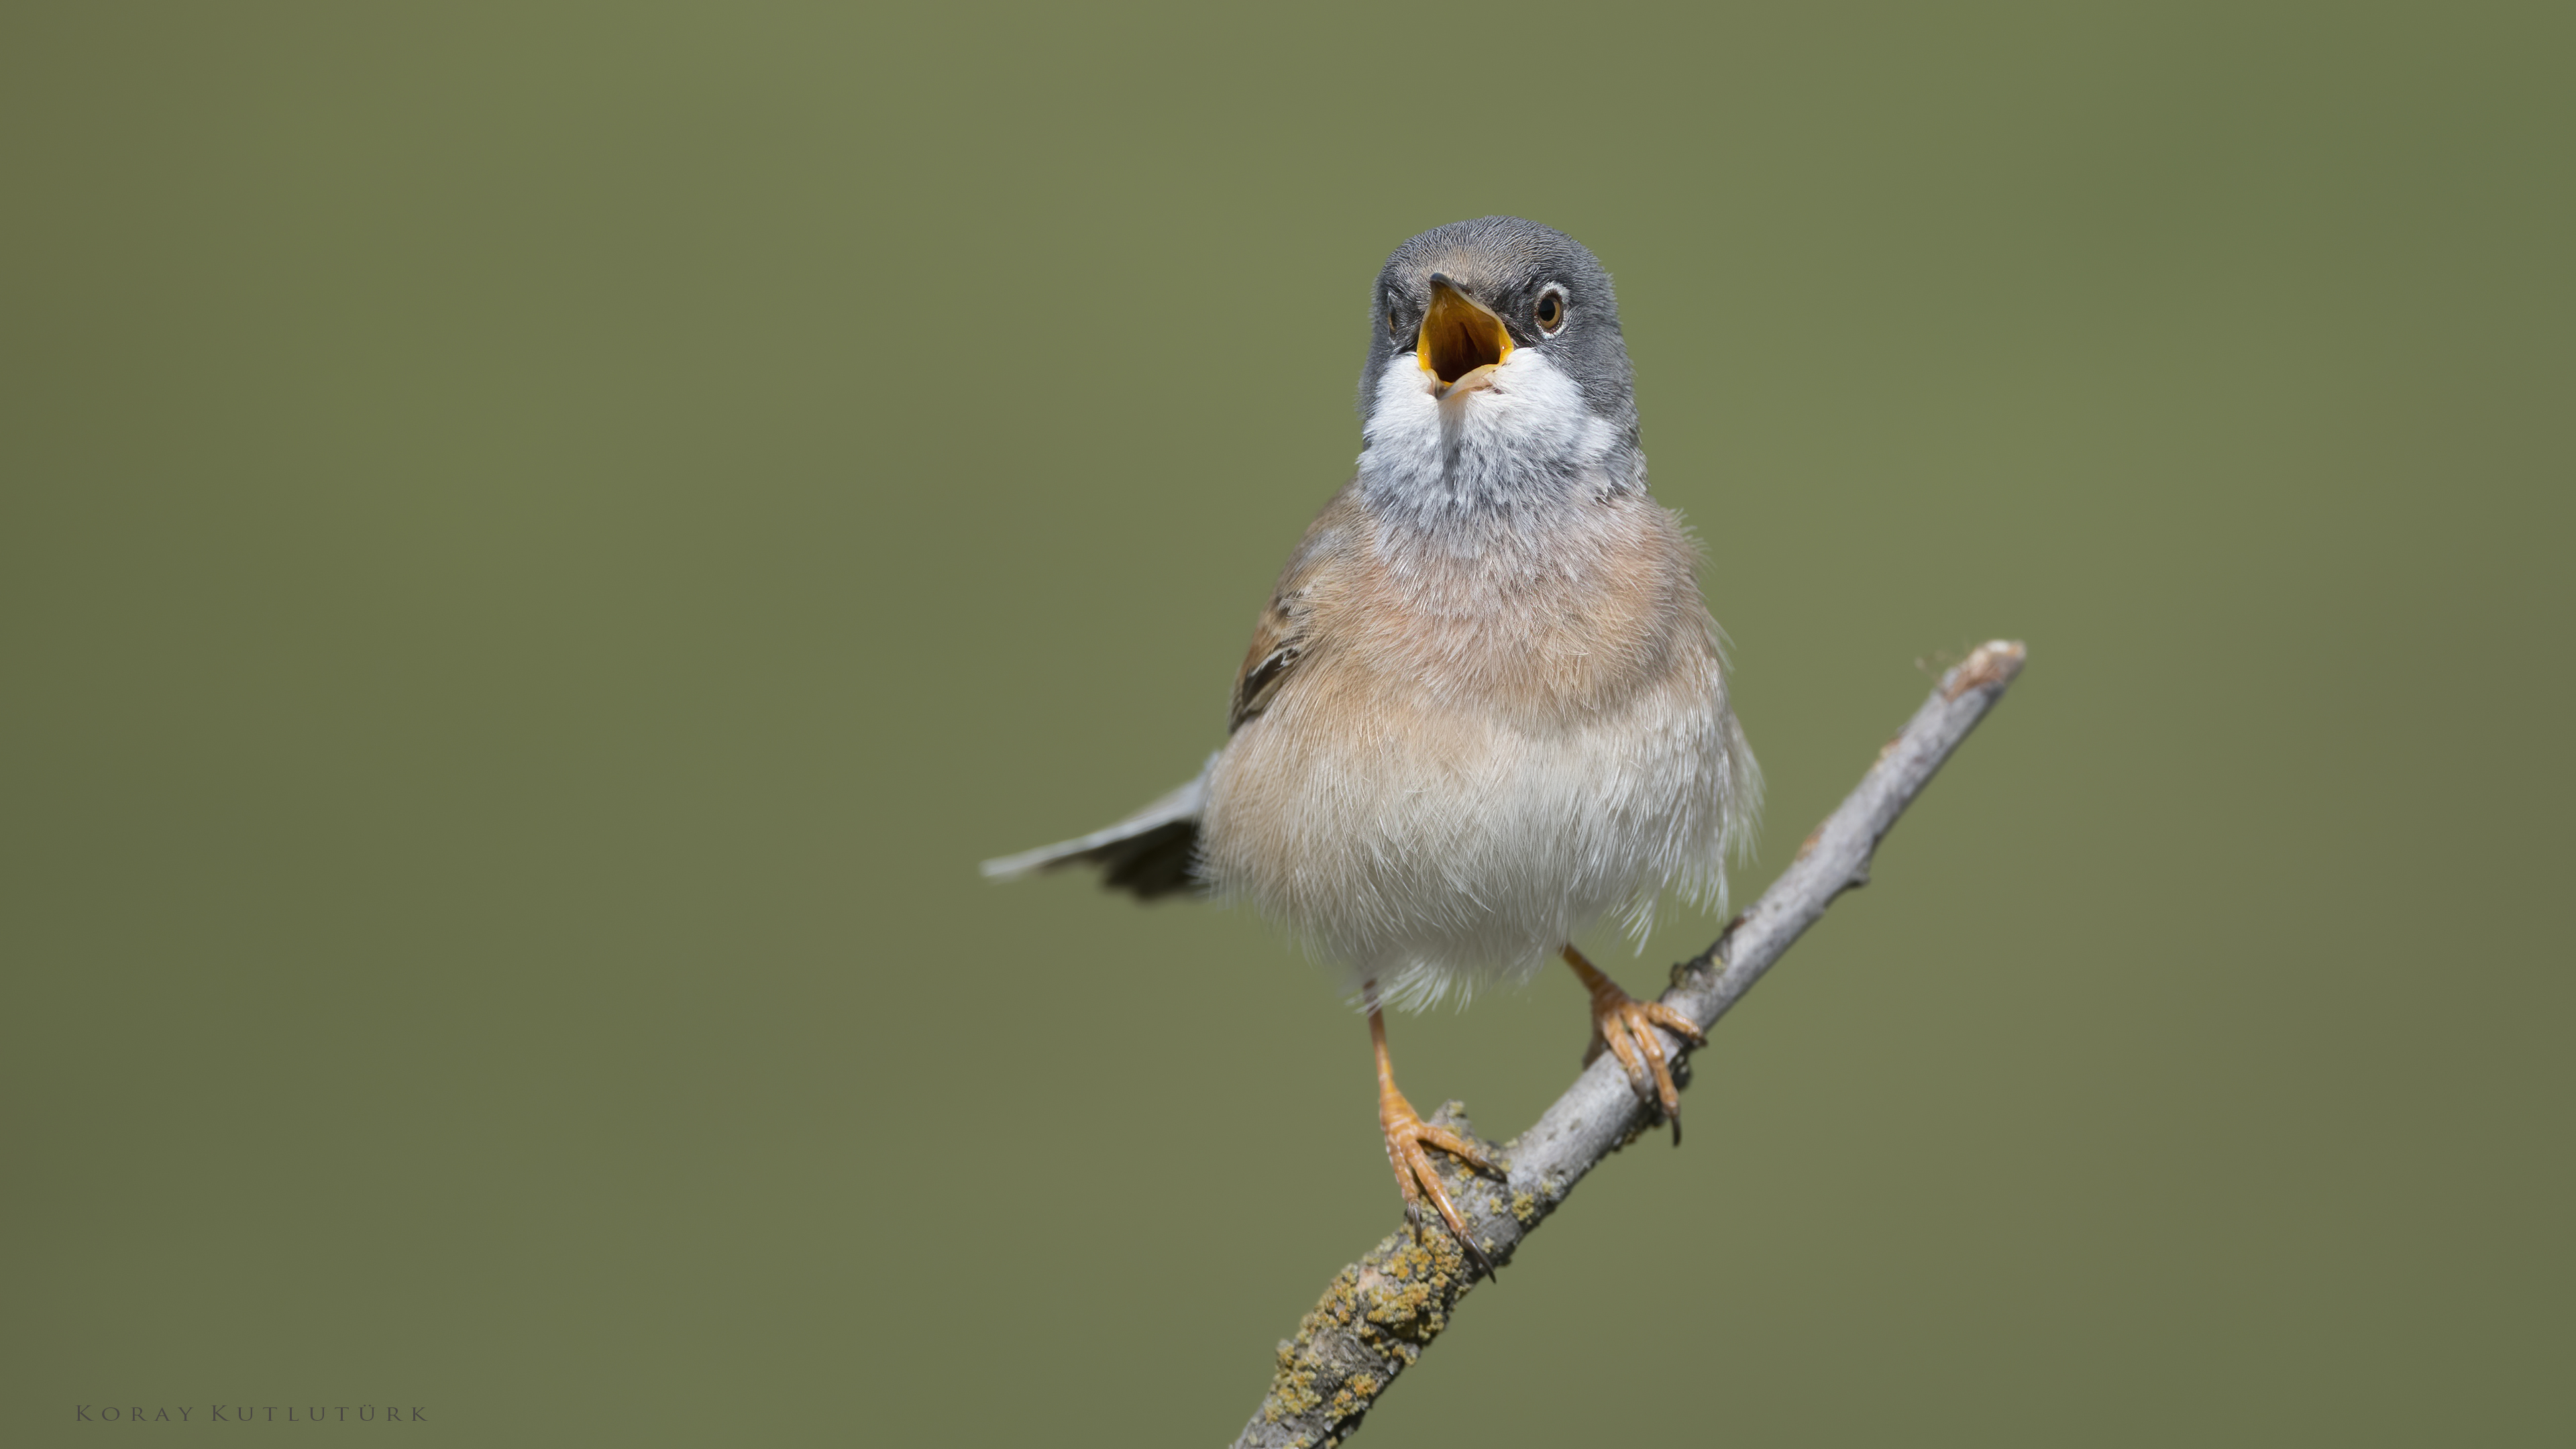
(541, 544)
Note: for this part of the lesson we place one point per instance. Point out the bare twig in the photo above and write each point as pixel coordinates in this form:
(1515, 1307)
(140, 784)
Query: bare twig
(1381, 1311)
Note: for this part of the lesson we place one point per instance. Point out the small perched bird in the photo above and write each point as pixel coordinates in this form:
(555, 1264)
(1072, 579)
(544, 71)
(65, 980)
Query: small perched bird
(1485, 707)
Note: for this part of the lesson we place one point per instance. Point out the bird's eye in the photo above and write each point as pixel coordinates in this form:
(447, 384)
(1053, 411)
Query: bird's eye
(1550, 311)
(1394, 328)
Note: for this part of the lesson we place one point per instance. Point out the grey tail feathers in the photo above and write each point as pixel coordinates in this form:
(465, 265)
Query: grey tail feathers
(1153, 852)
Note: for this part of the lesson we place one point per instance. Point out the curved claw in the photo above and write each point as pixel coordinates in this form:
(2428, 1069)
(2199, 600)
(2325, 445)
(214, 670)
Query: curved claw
(1626, 1026)
(1407, 1139)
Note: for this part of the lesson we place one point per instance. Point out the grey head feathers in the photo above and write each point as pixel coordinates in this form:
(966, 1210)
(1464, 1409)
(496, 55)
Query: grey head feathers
(1507, 263)
(1497, 393)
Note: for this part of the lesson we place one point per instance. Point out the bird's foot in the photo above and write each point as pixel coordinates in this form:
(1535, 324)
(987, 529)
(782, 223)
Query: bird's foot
(1408, 1143)
(1625, 1027)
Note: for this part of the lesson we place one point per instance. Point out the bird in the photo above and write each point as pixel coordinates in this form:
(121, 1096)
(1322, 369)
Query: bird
(1486, 707)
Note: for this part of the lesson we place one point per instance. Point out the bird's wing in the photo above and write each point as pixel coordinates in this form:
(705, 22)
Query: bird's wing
(1150, 852)
(1280, 637)
(1154, 852)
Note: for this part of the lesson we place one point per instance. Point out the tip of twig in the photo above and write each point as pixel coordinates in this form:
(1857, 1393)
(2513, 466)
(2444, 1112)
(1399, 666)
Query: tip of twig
(1991, 665)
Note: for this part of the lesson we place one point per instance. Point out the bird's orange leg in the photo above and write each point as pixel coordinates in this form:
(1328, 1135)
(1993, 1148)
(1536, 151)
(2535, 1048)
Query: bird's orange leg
(1626, 1026)
(1408, 1137)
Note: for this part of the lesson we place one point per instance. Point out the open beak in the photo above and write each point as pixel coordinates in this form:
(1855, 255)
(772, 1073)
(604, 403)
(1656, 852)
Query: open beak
(1462, 341)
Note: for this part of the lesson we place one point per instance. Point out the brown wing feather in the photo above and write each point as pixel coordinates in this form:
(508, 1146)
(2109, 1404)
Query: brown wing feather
(1274, 652)
(1279, 636)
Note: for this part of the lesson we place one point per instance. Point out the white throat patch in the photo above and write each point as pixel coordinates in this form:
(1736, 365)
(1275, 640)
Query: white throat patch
(1526, 440)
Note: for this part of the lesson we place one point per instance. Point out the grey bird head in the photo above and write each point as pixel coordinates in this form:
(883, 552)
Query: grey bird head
(1496, 371)
(1516, 270)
